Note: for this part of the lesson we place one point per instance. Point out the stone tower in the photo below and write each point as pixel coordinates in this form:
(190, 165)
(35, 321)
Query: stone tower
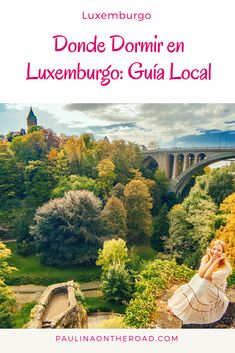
(31, 119)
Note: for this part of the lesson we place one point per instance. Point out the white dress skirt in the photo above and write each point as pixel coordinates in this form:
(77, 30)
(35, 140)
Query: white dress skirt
(201, 301)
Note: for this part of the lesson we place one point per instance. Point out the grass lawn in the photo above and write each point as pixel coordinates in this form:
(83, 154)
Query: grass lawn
(146, 252)
(31, 271)
(95, 304)
(23, 315)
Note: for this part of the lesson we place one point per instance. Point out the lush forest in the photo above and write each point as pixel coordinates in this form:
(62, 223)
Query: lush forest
(73, 201)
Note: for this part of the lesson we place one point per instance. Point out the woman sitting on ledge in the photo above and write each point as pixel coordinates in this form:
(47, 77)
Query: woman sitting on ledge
(203, 299)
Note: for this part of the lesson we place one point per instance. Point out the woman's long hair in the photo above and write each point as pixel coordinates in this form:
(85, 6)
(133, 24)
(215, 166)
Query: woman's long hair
(222, 263)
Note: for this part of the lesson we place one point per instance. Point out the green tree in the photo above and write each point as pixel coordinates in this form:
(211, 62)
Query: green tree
(58, 162)
(201, 214)
(160, 191)
(217, 183)
(30, 147)
(113, 252)
(38, 182)
(138, 204)
(179, 243)
(35, 128)
(24, 240)
(11, 177)
(12, 134)
(7, 301)
(69, 230)
(75, 182)
(192, 226)
(118, 191)
(160, 229)
(116, 284)
(114, 216)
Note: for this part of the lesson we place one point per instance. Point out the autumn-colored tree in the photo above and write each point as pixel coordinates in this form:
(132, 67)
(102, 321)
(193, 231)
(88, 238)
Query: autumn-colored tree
(137, 175)
(114, 216)
(227, 231)
(75, 149)
(51, 138)
(106, 173)
(138, 204)
(102, 149)
(126, 156)
(58, 162)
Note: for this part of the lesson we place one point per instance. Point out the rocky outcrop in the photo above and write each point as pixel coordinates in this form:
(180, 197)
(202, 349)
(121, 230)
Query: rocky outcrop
(58, 308)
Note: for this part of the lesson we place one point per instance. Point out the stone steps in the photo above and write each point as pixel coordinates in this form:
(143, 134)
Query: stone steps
(46, 324)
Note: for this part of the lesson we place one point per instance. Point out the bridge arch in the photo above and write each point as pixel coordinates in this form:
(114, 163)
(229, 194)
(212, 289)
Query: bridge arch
(151, 163)
(190, 159)
(180, 163)
(201, 156)
(181, 181)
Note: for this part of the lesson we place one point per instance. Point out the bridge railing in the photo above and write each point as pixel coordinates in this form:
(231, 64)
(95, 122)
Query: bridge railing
(232, 148)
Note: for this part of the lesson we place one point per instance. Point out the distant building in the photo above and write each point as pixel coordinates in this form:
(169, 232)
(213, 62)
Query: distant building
(31, 119)
(105, 139)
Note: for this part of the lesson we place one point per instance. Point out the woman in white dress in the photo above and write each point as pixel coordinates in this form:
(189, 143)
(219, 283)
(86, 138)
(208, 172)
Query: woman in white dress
(203, 299)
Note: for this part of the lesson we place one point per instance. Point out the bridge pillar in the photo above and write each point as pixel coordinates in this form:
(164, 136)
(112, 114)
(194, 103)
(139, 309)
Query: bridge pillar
(185, 166)
(175, 167)
(167, 166)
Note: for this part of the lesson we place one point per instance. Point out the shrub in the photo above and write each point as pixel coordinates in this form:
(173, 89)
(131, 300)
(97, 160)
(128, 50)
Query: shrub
(113, 322)
(7, 307)
(116, 284)
(155, 277)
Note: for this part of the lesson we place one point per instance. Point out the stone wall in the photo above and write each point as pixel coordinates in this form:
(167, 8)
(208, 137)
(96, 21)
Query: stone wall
(74, 316)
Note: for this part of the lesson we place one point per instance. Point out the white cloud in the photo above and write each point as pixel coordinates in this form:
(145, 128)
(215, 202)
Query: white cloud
(151, 122)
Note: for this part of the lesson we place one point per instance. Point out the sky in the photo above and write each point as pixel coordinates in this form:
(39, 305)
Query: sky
(167, 125)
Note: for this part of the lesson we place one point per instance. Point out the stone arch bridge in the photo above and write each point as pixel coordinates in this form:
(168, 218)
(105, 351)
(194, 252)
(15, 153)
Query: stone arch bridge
(179, 164)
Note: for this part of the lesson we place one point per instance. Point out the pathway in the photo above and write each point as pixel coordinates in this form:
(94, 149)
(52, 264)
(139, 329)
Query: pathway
(57, 305)
(31, 292)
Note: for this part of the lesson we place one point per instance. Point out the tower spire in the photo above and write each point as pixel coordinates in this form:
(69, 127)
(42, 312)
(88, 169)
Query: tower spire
(31, 119)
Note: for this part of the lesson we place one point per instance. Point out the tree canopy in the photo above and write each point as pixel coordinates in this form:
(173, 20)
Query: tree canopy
(69, 230)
